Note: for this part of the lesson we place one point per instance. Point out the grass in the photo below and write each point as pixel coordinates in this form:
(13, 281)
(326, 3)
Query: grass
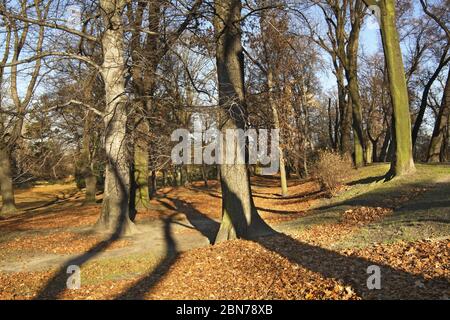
(421, 204)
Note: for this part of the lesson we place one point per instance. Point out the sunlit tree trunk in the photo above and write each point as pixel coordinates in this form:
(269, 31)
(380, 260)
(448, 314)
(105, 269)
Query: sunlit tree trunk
(351, 72)
(402, 163)
(115, 211)
(276, 120)
(440, 126)
(240, 219)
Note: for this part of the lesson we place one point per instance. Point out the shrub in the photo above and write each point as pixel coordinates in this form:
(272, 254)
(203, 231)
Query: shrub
(331, 169)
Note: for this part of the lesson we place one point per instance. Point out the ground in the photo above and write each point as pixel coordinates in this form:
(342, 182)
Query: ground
(322, 249)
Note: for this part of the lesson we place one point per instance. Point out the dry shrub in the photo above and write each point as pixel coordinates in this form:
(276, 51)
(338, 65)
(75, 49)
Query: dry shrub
(331, 169)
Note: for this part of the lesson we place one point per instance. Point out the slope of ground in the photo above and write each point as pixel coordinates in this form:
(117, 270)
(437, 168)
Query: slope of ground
(323, 249)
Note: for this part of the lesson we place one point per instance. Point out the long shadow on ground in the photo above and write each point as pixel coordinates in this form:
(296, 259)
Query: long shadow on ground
(351, 270)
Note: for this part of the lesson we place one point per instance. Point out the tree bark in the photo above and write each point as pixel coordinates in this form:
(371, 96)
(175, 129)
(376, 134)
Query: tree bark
(87, 171)
(424, 101)
(276, 121)
(440, 127)
(240, 219)
(351, 72)
(114, 217)
(141, 164)
(6, 183)
(403, 162)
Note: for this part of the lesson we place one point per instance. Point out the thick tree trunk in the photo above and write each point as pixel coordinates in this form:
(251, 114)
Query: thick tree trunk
(141, 172)
(87, 171)
(351, 73)
(440, 126)
(240, 219)
(91, 188)
(403, 160)
(6, 183)
(114, 217)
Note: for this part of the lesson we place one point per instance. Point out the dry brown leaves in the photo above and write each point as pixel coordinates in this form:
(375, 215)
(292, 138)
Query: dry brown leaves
(58, 243)
(365, 215)
(243, 270)
(248, 270)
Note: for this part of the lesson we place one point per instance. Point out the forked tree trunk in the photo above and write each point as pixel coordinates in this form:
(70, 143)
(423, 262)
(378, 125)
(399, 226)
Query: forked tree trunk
(114, 217)
(240, 219)
(6, 183)
(403, 162)
(440, 127)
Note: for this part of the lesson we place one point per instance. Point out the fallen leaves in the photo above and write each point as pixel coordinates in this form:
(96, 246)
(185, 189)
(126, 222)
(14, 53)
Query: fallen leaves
(364, 215)
(58, 243)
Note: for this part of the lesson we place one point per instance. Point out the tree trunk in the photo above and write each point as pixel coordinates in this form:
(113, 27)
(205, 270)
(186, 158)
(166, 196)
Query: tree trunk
(276, 121)
(204, 175)
(240, 219)
(91, 188)
(385, 147)
(440, 126)
(346, 115)
(424, 101)
(403, 162)
(351, 73)
(87, 171)
(164, 173)
(114, 217)
(369, 152)
(153, 184)
(141, 173)
(6, 184)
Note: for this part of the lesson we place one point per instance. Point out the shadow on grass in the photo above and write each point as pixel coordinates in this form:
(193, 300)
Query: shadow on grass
(139, 289)
(58, 283)
(370, 180)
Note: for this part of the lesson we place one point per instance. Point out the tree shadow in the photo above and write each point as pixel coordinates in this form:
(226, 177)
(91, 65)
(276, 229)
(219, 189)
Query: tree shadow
(57, 284)
(280, 212)
(205, 225)
(353, 271)
(383, 197)
(370, 180)
(143, 285)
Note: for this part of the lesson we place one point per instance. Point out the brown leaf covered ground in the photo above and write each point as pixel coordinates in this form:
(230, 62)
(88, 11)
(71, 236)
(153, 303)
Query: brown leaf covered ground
(306, 261)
